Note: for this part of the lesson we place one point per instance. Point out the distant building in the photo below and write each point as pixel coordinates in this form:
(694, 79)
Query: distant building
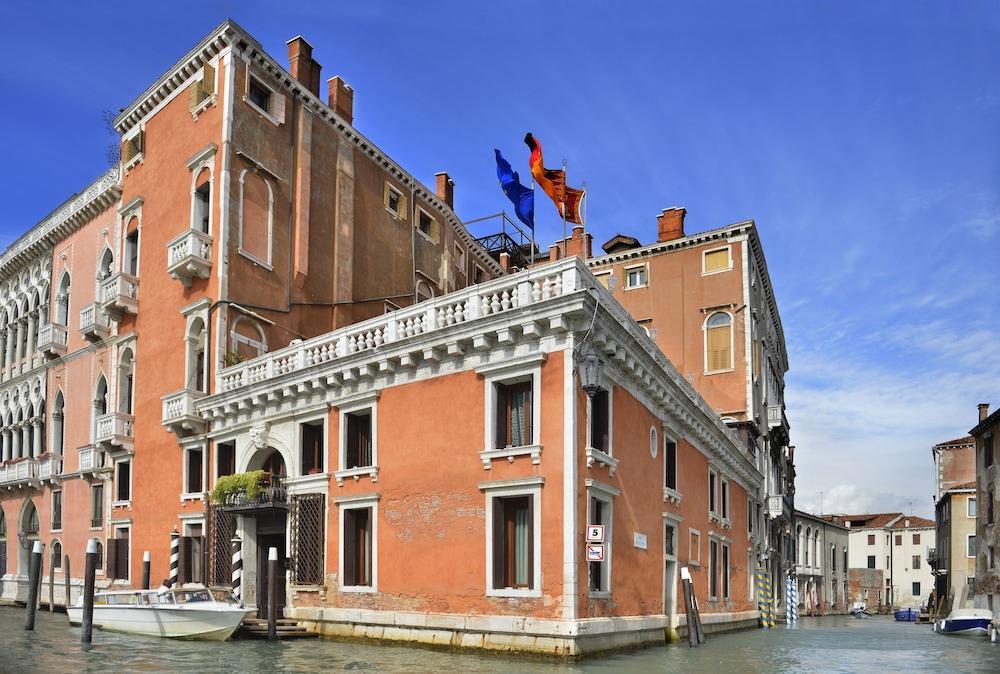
(821, 565)
(897, 544)
(952, 560)
(865, 586)
(984, 544)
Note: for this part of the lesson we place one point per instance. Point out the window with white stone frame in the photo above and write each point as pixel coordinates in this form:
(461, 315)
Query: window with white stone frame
(512, 410)
(358, 549)
(600, 504)
(194, 473)
(513, 537)
(671, 490)
(358, 455)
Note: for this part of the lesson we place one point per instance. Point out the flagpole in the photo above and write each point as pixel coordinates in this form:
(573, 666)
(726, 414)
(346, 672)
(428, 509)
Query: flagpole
(531, 264)
(583, 219)
(562, 209)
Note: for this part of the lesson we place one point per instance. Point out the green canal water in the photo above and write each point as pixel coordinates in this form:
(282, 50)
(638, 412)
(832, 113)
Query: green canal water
(831, 644)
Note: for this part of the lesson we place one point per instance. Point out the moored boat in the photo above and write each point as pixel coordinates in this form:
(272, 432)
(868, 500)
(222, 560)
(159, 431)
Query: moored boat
(905, 614)
(965, 622)
(188, 613)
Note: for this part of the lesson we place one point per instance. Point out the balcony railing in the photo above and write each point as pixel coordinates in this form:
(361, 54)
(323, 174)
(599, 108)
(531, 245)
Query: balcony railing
(272, 495)
(189, 256)
(94, 323)
(778, 506)
(52, 340)
(179, 415)
(91, 459)
(776, 418)
(120, 295)
(19, 471)
(49, 466)
(113, 431)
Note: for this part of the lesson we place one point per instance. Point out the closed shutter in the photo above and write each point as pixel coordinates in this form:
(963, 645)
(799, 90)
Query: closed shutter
(208, 80)
(717, 260)
(385, 195)
(501, 422)
(404, 208)
(499, 540)
(195, 96)
(718, 348)
(110, 568)
(122, 557)
(278, 103)
(307, 539)
(184, 565)
(350, 549)
(531, 542)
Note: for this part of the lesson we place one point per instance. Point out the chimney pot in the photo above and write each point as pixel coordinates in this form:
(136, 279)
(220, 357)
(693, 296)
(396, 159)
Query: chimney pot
(340, 97)
(670, 224)
(445, 188)
(984, 411)
(579, 243)
(505, 261)
(301, 64)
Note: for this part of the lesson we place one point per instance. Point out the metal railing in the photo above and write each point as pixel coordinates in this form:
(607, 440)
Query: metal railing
(272, 494)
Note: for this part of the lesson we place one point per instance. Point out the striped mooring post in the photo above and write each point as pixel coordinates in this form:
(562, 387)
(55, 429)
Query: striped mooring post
(762, 596)
(175, 556)
(237, 568)
(793, 601)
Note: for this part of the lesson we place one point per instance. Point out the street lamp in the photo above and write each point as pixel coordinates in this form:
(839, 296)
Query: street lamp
(591, 367)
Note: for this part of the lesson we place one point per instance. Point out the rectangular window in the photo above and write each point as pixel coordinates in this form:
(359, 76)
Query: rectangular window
(668, 540)
(478, 275)
(56, 511)
(427, 225)
(970, 546)
(118, 553)
(194, 472)
(916, 589)
(132, 253)
(393, 200)
(460, 258)
(871, 539)
(600, 513)
(259, 95)
(916, 562)
(749, 516)
(713, 569)
(604, 278)
(991, 562)
(871, 561)
(725, 499)
(123, 481)
(358, 547)
(227, 458)
(970, 583)
(513, 542)
(694, 547)
(711, 492)
(899, 539)
(971, 507)
(202, 208)
(716, 260)
(635, 277)
(600, 413)
(97, 505)
(725, 571)
(916, 539)
(670, 457)
(313, 447)
(359, 439)
(513, 420)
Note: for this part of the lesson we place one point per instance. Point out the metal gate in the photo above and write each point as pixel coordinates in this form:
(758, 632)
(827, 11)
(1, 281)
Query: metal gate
(221, 530)
(307, 511)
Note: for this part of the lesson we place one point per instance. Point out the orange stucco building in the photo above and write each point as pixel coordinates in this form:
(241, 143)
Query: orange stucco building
(448, 452)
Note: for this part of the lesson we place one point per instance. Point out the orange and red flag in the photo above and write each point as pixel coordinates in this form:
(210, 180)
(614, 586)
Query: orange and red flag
(568, 200)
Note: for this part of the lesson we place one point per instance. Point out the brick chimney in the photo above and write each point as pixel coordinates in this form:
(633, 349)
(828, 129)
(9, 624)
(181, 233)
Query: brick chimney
(505, 261)
(579, 244)
(555, 252)
(301, 64)
(670, 224)
(984, 411)
(445, 188)
(340, 97)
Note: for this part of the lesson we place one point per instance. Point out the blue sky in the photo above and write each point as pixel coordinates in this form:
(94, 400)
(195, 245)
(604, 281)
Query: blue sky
(863, 138)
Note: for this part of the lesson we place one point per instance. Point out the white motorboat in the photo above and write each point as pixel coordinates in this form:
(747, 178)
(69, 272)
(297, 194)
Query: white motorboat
(186, 613)
(965, 622)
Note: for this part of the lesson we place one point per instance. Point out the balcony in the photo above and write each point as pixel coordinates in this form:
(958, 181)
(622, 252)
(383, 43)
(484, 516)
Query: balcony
(49, 467)
(779, 506)
(52, 340)
(271, 494)
(777, 422)
(179, 415)
(19, 472)
(114, 432)
(91, 460)
(94, 322)
(189, 256)
(120, 295)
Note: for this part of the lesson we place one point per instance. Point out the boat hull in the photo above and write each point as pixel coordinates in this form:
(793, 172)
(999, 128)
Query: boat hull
(968, 627)
(906, 615)
(173, 622)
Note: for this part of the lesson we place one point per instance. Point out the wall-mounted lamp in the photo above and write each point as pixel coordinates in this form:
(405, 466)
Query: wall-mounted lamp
(591, 367)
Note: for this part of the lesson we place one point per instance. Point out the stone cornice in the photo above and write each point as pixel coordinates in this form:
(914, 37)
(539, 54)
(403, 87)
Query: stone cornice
(60, 223)
(229, 33)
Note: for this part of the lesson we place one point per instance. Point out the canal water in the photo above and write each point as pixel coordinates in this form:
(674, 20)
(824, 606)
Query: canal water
(830, 644)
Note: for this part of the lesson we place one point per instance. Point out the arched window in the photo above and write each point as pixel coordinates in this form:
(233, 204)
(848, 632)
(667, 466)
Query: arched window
(99, 557)
(130, 262)
(424, 291)
(246, 340)
(719, 342)
(62, 300)
(29, 520)
(126, 375)
(201, 201)
(196, 342)
(274, 464)
(808, 543)
(106, 265)
(101, 397)
(256, 214)
(58, 424)
(56, 562)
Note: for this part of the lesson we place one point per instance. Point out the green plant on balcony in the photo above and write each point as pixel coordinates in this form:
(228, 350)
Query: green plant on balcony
(249, 484)
(233, 358)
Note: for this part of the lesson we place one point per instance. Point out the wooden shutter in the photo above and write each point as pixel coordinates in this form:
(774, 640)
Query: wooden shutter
(531, 542)
(208, 80)
(502, 416)
(385, 195)
(111, 559)
(122, 557)
(194, 96)
(278, 105)
(717, 259)
(350, 549)
(718, 348)
(499, 541)
(404, 207)
(529, 436)
(184, 566)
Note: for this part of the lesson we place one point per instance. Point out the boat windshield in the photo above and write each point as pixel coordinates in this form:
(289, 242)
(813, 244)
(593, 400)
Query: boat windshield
(192, 596)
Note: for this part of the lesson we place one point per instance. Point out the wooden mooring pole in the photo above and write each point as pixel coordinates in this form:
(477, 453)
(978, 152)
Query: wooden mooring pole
(52, 585)
(145, 570)
(272, 594)
(89, 576)
(66, 581)
(34, 573)
(696, 635)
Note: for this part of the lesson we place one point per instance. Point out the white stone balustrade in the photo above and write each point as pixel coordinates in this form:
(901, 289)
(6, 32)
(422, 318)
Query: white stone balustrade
(179, 415)
(52, 340)
(49, 467)
(94, 323)
(119, 295)
(113, 432)
(91, 459)
(189, 256)
(19, 472)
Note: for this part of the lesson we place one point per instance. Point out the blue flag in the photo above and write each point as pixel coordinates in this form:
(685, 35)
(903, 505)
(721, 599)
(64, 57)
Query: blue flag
(522, 198)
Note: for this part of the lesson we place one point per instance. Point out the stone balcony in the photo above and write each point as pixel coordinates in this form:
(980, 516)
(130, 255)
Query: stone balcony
(777, 422)
(179, 415)
(52, 340)
(19, 472)
(779, 506)
(119, 295)
(94, 324)
(113, 432)
(92, 460)
(189, 256)
(49, 467)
